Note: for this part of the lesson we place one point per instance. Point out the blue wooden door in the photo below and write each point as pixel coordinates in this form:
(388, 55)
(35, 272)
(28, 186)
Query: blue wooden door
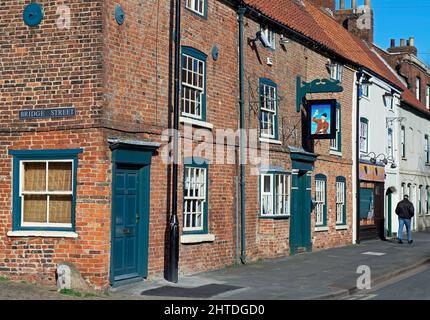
(126, 215)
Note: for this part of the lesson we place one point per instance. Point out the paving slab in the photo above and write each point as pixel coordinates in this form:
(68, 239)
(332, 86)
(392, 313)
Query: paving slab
(317, 275)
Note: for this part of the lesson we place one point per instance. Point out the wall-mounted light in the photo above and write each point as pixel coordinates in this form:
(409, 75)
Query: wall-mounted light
(284, 41)
(388, 99)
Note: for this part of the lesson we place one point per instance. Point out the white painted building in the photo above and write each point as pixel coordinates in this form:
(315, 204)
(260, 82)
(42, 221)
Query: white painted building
(379, 127)
(414, 145)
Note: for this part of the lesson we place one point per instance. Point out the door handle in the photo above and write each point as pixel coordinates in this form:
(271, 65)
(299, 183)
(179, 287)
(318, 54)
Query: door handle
(137, 217)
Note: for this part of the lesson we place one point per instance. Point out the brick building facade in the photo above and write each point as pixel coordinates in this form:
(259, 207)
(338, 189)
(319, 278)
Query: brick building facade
(109, 216)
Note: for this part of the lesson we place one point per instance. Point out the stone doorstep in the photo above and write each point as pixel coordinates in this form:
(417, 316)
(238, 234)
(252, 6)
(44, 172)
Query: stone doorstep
(375, 281)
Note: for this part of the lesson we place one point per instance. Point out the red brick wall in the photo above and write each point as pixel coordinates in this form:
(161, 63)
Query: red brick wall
(118, 79)
(270, 238)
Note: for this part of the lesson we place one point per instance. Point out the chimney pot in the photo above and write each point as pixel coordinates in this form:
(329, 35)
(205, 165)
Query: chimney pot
(354, 4)
(367, 3)
(412, 41)
(342, 4)
(402, 42)
(393, 43)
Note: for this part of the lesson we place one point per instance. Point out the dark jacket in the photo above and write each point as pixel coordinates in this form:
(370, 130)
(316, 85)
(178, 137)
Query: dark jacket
(405, 209)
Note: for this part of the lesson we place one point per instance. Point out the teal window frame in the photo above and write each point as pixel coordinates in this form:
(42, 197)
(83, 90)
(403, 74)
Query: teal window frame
(366, 121)
(338, 139)
(267, 82)
(323, 178)
(428, 200)
(273, 174)
(199, 163)
(420, 200)
(341, 180)
(203, 15)
(42, 155)
(201, 56)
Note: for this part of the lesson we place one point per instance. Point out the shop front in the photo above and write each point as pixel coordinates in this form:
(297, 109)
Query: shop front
(372, 184)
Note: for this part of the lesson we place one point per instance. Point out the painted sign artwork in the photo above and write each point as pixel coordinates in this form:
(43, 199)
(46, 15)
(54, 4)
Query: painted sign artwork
(322, 119)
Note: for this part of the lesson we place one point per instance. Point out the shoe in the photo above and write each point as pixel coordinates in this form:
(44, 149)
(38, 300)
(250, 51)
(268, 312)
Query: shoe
(400, 242)
(411, 241)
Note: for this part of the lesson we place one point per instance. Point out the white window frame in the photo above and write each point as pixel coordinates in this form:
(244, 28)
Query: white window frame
(22, 193)
(403, 141)
(335, 143)
(196, 5)
(198, 90)
(320, 201)
(270, 35)
(188, 198)
(428, 97)
(364, 136)
(273, 198)
(340, 202)
(269, 106)
(365, 90)
(336, 72)
(390, 143)
(427, 149)
(418, 88)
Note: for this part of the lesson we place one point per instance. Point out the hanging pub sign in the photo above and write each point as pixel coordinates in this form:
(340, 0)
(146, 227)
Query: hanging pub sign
(321, 119)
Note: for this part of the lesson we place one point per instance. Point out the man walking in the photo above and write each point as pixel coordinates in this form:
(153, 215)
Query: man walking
(405, 210)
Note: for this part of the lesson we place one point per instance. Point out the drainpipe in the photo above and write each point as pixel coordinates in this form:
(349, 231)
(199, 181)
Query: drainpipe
(241, 13)
(357, 156)
(172, 268)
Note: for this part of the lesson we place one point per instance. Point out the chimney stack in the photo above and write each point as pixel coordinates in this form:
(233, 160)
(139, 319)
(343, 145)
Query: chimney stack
(405, 47)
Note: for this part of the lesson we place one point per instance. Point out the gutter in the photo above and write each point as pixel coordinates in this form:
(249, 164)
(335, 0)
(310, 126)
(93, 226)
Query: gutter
(241, 12)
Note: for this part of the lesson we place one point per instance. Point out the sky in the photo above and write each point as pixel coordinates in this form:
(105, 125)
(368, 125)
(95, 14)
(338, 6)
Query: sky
(396, 19)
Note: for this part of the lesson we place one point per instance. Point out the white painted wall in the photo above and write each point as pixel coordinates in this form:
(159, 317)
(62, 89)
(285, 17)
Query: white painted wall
(413, 169)
(381, 117)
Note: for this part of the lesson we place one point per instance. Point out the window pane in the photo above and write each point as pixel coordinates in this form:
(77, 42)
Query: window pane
(34, 176)
(60, 209)
(60, 176)
(35, 208)
(267, 186)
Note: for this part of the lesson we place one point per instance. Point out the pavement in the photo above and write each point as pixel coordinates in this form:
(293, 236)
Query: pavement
(327, 274)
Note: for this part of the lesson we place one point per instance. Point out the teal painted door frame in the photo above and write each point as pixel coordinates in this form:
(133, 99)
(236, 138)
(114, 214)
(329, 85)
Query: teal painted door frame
(389, 213)
(132, 159)
(301, 200)
(300, 227)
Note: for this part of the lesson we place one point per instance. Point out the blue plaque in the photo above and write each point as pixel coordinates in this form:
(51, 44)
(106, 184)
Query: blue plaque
(33, 14)
(119, 14)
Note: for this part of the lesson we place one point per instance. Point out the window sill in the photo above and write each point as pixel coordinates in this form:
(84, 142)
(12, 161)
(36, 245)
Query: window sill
(274, 217)
(335, 153)
(45, 234)
(196, 123)
(271, 141)
(339, 228)
(197, 238)
(321, 229)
